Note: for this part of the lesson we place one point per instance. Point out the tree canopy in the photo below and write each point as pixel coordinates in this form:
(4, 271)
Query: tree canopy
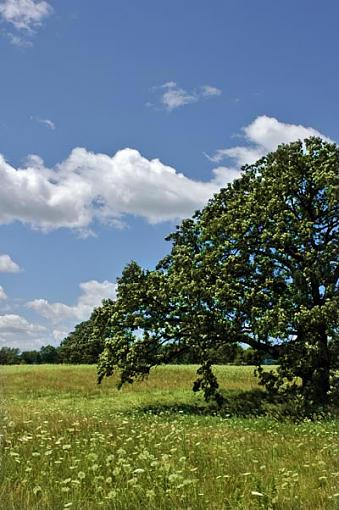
(258, 265)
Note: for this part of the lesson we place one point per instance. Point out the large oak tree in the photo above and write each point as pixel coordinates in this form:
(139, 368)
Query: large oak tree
(257, 265)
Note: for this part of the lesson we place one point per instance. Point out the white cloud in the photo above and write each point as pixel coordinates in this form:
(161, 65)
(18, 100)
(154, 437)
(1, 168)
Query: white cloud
(173, 97)
(208, 90)
(59, 335)
(12, 323)
(89, 186)
(93, 292)
(16, 331)
(58, 319)
(264, 135)
(3, 294)
(7, 265)
(24, 14)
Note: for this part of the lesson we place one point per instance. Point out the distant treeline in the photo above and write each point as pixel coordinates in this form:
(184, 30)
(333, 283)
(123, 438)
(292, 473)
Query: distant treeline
(83, 347)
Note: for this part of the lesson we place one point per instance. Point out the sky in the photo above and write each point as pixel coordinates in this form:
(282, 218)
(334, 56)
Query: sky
(120, 118)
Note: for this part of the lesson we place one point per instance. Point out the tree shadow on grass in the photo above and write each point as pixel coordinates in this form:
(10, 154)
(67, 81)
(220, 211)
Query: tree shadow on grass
(238, 404)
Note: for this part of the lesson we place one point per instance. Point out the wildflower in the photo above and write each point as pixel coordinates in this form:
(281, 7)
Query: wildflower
(92, 456)
(150, 493)
(36, 490)
(111, 494)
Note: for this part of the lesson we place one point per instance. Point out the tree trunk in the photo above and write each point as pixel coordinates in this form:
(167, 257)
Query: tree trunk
(318, 385)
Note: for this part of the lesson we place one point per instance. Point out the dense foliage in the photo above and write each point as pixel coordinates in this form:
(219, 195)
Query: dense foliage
(258, 265)
(80, 346)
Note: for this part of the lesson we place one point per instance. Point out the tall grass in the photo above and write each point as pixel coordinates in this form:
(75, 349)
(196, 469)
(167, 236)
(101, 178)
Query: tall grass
(68, 443)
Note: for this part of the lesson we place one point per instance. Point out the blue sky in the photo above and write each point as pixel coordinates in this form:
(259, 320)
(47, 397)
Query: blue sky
(118, 119)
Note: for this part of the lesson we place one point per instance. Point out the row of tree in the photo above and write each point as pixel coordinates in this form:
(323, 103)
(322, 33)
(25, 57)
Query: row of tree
(81, 347)
(13, 356)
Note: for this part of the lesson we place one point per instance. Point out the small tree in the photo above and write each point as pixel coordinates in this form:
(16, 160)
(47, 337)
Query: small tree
(30, 357)
(49, 354)
(9, 356)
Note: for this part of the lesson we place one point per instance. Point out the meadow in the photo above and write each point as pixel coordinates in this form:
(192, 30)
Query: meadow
(67, 443)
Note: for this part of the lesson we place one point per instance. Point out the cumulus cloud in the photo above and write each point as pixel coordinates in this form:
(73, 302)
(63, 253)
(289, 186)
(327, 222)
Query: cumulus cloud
(25, 16)
(172, 96)
(16, 331)
(56, 320)
(264, 135)
(88, 186)
(7, 265)
(3, 294)
(60, 318)
(92, 294)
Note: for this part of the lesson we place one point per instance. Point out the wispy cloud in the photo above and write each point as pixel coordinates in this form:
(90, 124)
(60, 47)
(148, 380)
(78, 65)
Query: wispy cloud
(208, 91)
(172, 96)
(18, 40)
(47, 122)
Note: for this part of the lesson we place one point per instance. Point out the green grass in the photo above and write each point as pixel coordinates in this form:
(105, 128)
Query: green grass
(68, 443)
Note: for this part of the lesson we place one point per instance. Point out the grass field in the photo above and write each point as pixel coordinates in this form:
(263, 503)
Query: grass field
(67, 443)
